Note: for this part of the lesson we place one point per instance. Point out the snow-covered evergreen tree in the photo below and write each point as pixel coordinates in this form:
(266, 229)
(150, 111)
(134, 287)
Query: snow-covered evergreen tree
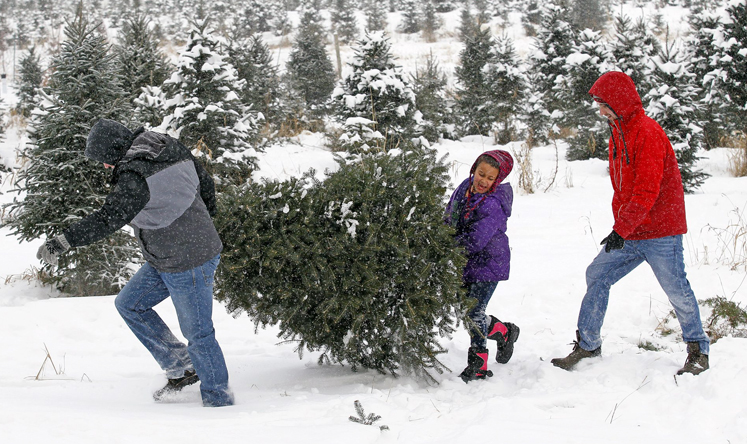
(309, 69)
(588, 61)
(204, 109)
(704, 54)
(554, 43)
(60, 184)
(467, 23)
(254, 65)
(31, 76)
(429, 85)
(359, 267)
(632, 48)
(376, 15)
(377, 90)
(431, 22)
(588, 14)
(734, 65)
(343, 20)
(672, 104)
(473, 88)
(444, 5)
(410, 23)
(536, 116)
(507, 89)
(141, 63)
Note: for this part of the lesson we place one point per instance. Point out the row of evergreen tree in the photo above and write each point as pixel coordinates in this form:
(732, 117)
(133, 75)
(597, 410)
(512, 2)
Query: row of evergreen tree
(359, 265)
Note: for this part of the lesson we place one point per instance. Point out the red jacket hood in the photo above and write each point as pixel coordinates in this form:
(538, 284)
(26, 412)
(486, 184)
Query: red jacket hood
(618, 91)
(505, 162)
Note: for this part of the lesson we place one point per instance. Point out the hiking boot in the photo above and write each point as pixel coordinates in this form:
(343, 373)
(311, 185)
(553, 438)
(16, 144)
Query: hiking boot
(175, 385)
(578, 353)
(477, 365)
(696, 362)
(505, 334)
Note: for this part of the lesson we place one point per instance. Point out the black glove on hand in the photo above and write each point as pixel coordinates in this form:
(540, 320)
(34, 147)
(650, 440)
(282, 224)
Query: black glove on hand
(613, 241)
(52, 248)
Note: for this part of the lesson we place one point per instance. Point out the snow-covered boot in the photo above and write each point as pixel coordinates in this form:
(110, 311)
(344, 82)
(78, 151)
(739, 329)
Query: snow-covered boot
(176, 384)
(477, 365)
(505, 334)
(696, 362)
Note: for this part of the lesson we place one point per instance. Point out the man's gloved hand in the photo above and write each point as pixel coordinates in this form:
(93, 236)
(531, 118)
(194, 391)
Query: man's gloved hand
(52, 248)
(613, 241)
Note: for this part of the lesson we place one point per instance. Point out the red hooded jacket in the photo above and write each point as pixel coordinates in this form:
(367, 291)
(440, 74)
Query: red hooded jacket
(649, 201)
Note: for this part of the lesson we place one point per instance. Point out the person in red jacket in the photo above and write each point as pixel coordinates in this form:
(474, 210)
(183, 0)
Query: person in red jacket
(649, 209)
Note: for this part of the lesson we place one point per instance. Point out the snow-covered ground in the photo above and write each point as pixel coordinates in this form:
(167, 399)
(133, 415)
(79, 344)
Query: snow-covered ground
(97, 386)
(99, 389)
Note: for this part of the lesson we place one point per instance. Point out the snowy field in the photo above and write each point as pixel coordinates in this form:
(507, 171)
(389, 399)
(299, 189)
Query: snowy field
(97, 386)
(99, 389)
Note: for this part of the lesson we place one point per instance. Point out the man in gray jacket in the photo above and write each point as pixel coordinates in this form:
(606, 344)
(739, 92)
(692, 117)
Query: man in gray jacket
(165, 195)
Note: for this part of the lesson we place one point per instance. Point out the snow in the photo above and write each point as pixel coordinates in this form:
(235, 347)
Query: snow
(630, 395)
(100, 387)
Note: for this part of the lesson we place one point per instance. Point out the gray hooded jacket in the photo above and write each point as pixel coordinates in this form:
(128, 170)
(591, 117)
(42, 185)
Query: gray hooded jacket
(160, 190)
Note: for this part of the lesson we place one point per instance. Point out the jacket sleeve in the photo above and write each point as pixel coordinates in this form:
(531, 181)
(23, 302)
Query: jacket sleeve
(207, 188)
(129, 197)
(649, 172)
(490, 218)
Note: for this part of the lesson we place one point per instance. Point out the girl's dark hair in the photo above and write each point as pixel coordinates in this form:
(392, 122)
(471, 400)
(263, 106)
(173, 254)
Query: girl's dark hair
(490, 160)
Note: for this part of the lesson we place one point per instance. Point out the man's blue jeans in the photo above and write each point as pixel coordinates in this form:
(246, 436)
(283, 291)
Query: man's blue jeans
(665, 256)
(191, 292)
(482, 291)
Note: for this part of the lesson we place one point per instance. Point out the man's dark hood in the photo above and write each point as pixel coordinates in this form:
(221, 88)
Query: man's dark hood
(108, 141)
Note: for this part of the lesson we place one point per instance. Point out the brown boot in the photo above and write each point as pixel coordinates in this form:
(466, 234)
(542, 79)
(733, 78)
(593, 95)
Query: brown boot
(578, 353)
(696, 362)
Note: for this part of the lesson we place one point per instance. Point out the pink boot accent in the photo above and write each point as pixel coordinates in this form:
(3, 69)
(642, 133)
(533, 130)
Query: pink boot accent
(484, 357)
(499, 328)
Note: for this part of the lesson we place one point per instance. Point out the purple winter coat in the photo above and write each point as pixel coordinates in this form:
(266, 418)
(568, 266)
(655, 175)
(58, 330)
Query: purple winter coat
(483, 231)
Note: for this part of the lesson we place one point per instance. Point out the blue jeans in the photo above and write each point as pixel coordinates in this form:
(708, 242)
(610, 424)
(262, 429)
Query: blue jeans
(665, 256)
(191, 292)
(482, 291)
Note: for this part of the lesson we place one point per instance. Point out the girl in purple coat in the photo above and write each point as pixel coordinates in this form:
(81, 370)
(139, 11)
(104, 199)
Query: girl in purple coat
(479, 210)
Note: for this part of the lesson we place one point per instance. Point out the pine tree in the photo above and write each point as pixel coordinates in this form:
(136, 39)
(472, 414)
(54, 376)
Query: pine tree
(553, 44)
(588, 14)
(431, 22)
(429, 85)
(60, 184)
(31, 76)
(507, 89)
(376, 16)
(734, 65)
(631, 51)
(141, 62)
(536, 116)
(672, 105)
(588, 61)
(344, 22)
(483, 12)
(204, 109)
(359, 267)
(704, 54)
(254, 65)
(377, 90)
(410, 17)
(473, 89)
(309, 69)
(467, 23)
(444, 5)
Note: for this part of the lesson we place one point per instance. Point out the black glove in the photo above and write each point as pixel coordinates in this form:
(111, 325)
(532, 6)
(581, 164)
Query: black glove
(52, 248)
(613, 241)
